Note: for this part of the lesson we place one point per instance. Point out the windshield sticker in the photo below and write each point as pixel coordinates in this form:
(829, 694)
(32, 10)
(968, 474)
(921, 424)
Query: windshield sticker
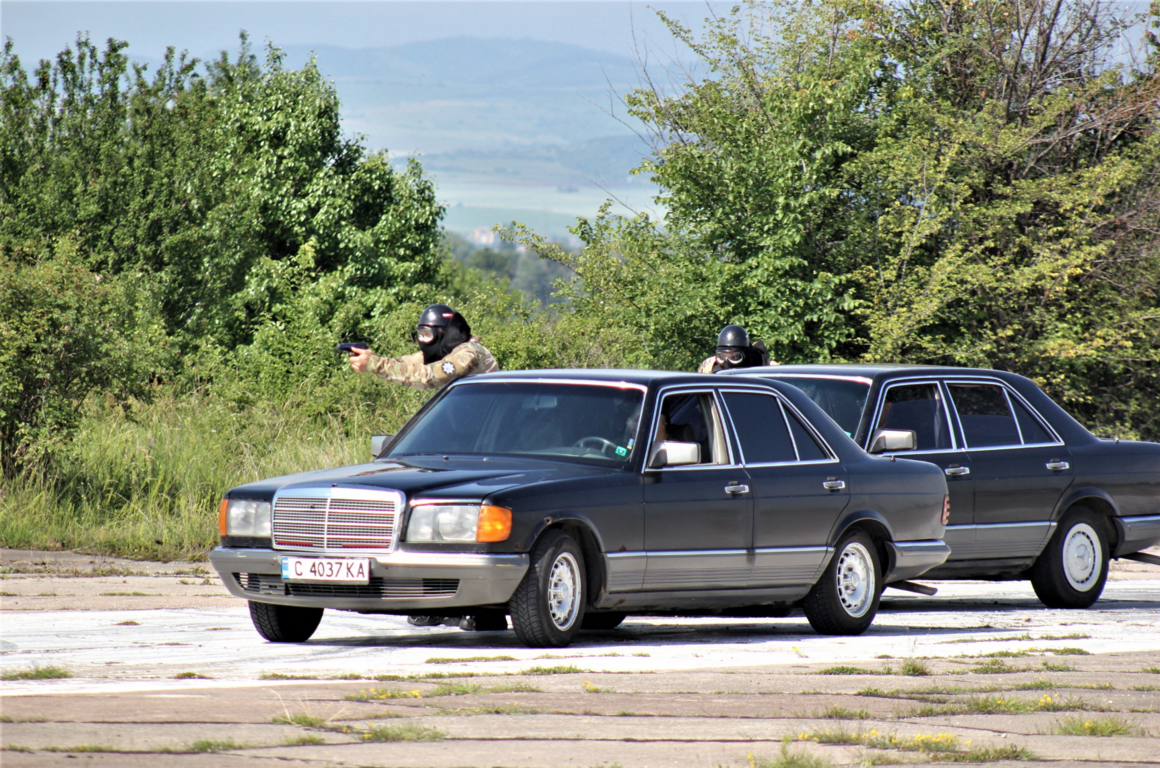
(621, 451)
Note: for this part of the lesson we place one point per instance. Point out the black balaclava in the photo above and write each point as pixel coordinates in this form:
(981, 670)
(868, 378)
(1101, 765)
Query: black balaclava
(450, 331)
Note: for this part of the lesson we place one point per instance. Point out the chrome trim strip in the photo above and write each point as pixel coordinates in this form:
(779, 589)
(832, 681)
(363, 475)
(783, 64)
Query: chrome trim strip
(611, 555)
(790, 550)
(699, 553)
(831, 377)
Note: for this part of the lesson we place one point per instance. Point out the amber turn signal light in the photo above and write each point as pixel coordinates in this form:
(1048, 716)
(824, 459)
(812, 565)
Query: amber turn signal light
(222, 516)
(495, 524)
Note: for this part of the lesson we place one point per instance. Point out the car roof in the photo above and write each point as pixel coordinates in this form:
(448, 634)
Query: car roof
(867, 370)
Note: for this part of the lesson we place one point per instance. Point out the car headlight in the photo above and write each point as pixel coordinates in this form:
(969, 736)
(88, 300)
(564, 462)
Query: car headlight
(459, 522)
(244, 517)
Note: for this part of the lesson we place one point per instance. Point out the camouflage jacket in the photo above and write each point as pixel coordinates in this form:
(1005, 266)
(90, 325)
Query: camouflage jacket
(467, 359)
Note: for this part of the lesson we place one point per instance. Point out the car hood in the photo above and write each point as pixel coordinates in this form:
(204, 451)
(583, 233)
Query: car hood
(427, 476)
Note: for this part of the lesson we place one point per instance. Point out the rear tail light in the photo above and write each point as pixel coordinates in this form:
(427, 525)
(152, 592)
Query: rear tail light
(946, 515)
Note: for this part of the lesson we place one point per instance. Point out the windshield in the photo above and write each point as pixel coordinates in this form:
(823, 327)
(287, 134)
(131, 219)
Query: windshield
(592, 422)
(841, 399)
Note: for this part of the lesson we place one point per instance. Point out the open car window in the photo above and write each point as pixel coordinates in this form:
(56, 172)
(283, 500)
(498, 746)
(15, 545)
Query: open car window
(692, 417)
(590, 422)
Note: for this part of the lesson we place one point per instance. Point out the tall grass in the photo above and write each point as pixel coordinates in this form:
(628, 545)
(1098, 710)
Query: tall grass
(144, 481)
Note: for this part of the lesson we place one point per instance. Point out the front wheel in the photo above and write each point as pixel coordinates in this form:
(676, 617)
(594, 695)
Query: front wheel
(845, 599)
(1072, 569)
(284, 623)
(547, 608)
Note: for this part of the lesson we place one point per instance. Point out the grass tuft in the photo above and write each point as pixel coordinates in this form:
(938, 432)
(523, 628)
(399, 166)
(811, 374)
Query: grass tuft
(842, 670)
(405, 732)
(303, 740)
(914, 668)
(212, 745)
(841, 713)
(562, 669)
(466, 659)
(191, 676)
(788, 759)
(37, 673)
(1096, 726)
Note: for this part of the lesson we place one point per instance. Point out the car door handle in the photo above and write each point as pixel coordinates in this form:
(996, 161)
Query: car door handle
(738, 488)
(834, 485)
(957, 471)
(1058, 466)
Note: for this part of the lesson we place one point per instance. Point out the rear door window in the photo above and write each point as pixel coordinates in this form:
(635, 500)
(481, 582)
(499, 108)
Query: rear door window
(761, 427)
(919, 408)
(985, 415)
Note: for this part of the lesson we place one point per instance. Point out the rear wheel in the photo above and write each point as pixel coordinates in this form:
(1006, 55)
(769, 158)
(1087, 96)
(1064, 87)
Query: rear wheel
(845, 599)
(547, 608)
(284, 623)
(1072, 569)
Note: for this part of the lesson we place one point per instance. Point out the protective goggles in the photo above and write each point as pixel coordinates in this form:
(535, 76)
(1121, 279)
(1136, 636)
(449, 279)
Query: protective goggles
(730, 355)
(425, 334)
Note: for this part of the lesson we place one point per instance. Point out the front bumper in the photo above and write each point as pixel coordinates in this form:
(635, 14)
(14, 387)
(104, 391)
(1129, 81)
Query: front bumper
(914, 558)
(401, 582)
(1136, 533)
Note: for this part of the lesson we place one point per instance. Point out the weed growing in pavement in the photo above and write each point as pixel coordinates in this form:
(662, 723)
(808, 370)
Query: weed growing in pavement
(382, 694)
(1057, 667)
(1004, 654)
(1152, 670)
(129, 623)
(590, 688)
(211, 745)
(1146, 687)
(303, 740)
(81, 748)
(841, 713)
(1024, 636)
(1096, 726)
(454, 689)
(935, 747)
(851, 671)
(465, 659)
(304, 720)
(37, 673)
(405, 732)
(514, 688)
(1068, 651)
(16, 748)
(788, 759)
(495, 709)
(563, 669)
(997, 667)
(914, 668)
(191, 676)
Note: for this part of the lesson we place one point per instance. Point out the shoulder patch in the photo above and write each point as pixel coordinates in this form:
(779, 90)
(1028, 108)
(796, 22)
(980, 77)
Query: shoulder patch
(448, 367)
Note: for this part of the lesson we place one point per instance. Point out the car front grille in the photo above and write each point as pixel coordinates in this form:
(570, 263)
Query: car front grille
(336, 519)
(260, 584)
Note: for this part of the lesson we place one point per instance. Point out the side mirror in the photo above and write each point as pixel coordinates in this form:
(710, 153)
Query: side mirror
(378, 443)
(889, 440)
(670, 453)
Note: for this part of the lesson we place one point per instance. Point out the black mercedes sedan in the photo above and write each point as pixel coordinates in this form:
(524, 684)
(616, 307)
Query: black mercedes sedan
(1033, 494)
(570, 499)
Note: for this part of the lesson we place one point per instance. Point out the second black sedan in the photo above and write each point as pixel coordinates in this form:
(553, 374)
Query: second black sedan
(570, 499)
(1034, 495)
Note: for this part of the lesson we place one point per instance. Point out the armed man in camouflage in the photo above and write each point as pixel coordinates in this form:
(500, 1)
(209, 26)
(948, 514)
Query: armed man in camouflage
(447, 351)
(734, 351)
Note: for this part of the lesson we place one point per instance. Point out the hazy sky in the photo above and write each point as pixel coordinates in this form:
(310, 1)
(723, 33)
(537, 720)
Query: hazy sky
(41, 28)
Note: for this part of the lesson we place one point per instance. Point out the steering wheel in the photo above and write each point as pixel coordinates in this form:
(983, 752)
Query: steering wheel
(606, 447)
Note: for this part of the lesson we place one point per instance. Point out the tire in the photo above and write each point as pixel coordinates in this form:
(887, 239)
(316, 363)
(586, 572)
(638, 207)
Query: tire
(606, 620)
(1072, 569)
(547, 608)
(845, 599)
(284, 623)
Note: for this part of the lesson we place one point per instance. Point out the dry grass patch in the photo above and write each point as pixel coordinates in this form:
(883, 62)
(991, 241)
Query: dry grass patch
(37, 673)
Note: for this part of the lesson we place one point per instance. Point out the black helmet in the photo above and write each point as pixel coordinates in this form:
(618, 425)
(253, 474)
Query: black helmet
(733, 336)
(437, 315)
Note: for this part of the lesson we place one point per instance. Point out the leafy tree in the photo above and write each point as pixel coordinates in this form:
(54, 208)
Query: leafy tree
(971, 182)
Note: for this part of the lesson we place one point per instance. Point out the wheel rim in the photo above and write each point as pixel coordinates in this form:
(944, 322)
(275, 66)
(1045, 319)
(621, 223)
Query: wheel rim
(564, 591)
(1082, 557)
(855, 574)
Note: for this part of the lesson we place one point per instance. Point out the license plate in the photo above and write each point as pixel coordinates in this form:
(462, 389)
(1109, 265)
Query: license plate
(340, 570)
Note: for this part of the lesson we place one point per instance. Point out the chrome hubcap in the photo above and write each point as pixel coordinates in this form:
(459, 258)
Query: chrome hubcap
(1082, 558)
(564, 591)
(855, 574)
